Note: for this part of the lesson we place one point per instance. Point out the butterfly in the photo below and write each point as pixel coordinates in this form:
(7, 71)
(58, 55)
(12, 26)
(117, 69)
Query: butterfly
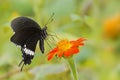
(27, 34)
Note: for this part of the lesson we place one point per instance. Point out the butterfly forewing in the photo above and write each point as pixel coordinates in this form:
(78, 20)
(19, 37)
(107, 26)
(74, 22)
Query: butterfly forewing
(23, 22)
(29, 49)
(23, 35)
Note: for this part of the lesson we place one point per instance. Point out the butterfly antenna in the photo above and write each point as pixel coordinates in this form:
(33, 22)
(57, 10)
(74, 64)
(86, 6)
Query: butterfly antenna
(50, 19)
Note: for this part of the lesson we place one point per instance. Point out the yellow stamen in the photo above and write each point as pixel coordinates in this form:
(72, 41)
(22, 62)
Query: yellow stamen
(63, 45)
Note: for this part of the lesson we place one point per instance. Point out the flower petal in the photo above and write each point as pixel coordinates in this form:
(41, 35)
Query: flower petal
(60, 53)
(71, 51)
(78, 42)
(52, 53)
(76, 50)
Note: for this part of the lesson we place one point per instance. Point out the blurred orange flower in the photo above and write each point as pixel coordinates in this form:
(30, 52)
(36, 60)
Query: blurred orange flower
(112, 26)
(66, 48)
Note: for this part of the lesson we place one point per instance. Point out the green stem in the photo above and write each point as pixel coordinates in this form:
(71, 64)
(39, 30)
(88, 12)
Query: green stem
(73, 68)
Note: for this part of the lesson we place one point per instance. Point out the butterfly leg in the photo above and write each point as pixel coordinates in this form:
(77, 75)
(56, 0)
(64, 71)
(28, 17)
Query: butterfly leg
(41, 45)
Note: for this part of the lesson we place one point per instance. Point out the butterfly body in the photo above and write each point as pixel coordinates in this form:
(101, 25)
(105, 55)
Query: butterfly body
(27, 34)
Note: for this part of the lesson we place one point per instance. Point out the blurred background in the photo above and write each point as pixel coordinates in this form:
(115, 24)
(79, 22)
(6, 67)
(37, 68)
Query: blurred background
(96, 20)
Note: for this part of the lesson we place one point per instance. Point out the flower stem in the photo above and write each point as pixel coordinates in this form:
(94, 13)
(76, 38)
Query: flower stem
(72, 66)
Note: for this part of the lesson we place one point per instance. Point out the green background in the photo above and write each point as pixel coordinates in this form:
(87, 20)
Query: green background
(98, 59)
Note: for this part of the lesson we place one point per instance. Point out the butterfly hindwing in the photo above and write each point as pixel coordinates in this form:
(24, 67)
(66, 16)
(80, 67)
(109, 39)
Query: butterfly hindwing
(31, 43)
(29, 49)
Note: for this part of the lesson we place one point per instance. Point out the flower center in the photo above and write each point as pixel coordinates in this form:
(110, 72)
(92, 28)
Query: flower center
(64, 45)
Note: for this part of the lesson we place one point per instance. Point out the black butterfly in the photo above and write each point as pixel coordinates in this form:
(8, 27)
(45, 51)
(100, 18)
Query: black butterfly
(27, 34)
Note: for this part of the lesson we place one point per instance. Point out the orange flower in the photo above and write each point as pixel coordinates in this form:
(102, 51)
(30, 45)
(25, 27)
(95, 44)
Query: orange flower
(112, 26)
(66, 48)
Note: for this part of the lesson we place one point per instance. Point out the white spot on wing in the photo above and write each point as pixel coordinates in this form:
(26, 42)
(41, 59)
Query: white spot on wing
(28, 51)
(25, 45)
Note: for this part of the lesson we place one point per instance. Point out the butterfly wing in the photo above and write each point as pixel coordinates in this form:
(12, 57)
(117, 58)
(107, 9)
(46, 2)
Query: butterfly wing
(31, 43)
(20, 23)
(26, 38)
(23, 35)
(29, 49)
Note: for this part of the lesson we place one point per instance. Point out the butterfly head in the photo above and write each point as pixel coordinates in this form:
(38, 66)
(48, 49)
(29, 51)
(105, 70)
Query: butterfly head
(44, 33)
